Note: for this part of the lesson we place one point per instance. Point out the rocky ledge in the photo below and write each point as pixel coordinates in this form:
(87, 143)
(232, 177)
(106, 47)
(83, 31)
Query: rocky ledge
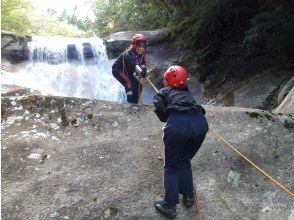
(66, 158)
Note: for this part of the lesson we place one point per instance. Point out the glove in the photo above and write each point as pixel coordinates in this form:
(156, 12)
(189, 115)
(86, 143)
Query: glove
(143, 73)
(129, 93)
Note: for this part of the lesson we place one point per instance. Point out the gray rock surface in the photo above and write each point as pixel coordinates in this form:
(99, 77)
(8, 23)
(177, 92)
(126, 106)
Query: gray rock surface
(255, 92)
(6, 38)
(287, 106)
(14, 48)
(65, 158)
(116, 43)
(253, 95)
(285, 90)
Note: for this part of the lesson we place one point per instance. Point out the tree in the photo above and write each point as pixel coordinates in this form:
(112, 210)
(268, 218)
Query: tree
(113, 16)
(19, 17)
(15, 16)
(72, 19)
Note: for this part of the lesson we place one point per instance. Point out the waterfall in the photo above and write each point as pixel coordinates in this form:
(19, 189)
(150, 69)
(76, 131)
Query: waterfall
(71, 67)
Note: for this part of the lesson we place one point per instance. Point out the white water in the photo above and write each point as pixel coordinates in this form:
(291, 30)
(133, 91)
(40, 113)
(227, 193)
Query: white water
(49, 71)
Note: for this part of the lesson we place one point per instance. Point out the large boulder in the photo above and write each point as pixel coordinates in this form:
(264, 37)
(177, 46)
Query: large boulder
(88, 51)
(255, 91)
(6, 38)
(14, 48)
(287, 105)
(258, 91)
(116, 43)
(285, 90)
(72, 52)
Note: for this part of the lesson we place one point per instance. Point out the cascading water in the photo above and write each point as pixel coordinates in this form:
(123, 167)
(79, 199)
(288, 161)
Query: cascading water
(71, 67)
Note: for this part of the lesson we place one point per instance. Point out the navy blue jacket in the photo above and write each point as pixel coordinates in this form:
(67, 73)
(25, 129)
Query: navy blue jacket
(170, 99)
(130, 59)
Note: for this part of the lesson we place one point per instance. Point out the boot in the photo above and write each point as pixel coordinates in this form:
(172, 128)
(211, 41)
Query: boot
(188, 201)
(162, 207)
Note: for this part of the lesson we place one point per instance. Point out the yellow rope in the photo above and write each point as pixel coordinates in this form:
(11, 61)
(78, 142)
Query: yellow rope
(253, 164)
(151, 84)
(197, 206)
(139, 93)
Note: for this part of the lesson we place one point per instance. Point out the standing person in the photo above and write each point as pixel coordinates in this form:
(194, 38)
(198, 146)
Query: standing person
(133, 60)
(184, 132)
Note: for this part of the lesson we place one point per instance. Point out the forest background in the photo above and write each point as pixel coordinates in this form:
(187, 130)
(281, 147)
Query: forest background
(227, 38)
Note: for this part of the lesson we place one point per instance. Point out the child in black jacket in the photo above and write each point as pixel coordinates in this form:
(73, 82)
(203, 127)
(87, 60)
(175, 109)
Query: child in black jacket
(133, 60)
(184, 132)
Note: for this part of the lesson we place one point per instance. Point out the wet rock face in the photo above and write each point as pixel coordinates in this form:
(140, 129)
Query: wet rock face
(118, 42)
(285, 90)
(87, 51)
(14, 48)
(18, 55)
(72, 52)
(69, 158)
(287, 106)
(115, 47)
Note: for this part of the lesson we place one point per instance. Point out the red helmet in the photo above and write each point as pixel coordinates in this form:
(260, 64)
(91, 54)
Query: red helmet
(176, 76)
(137, 38)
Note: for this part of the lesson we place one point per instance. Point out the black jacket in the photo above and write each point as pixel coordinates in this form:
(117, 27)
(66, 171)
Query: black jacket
(170, 99)
(127, 61)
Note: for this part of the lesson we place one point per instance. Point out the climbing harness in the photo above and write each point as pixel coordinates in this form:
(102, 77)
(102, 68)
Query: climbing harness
(124, 64)
(139, 85)
(241, 155)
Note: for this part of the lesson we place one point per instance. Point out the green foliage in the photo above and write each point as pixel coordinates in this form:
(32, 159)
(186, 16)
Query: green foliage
(271, 31)
(72, 19)
(203, 55)
(103, 17)
(15, 16)
(193, 23)
(201, 26)
(114, 16)
(19, 16)
(50, 26)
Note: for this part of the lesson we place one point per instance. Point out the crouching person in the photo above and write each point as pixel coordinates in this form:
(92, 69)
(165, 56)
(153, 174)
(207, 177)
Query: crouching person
(184, 132)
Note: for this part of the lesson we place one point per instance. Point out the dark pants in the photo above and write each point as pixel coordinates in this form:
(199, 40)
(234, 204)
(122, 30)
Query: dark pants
(130, 83)
(184, 133)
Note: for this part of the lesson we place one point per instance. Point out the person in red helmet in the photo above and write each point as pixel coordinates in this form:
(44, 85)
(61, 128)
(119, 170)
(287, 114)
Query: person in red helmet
(184, 132)
(130, 66)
